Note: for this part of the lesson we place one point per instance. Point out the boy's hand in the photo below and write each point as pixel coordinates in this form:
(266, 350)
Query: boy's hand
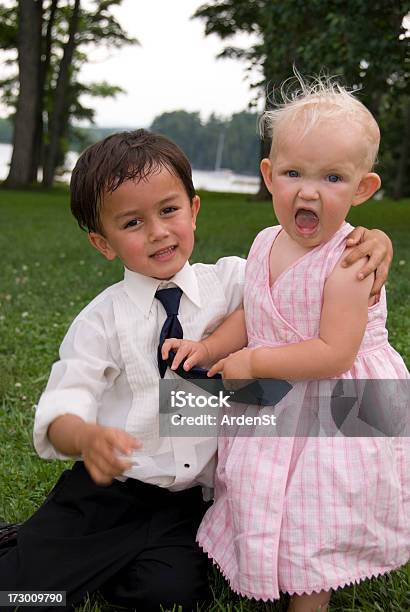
(237, 366)
(375, 245)
(194, 353)
(100, 447)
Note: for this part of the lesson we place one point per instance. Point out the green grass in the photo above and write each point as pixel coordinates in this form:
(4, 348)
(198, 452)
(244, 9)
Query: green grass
(49, 272)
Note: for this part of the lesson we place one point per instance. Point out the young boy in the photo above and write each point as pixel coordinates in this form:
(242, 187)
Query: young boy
(124, 519)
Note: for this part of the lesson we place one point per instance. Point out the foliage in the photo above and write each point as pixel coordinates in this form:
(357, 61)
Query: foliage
(364, 42)
(60, 94)
(181, 126)
(242, 143)
(51, 273)
(6, 130)
(8, 27)
(236, 139)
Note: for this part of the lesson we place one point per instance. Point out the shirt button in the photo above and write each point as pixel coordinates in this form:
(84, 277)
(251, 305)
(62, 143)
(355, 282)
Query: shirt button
(186, 465)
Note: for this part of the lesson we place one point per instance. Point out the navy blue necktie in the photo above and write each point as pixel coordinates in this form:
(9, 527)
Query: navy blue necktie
(170, 299)
(262, 392)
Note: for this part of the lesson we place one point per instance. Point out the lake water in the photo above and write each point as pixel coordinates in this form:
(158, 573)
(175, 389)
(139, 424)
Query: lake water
(222, 180)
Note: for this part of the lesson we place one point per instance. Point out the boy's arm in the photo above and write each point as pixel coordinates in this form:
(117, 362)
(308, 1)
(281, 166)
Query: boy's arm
(376, 245)
(76, 383)
(99, 446)
(342, 325)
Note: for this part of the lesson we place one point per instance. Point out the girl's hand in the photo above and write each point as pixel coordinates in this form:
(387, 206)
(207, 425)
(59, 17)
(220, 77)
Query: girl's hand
(194, 353)
(375, 245)
(237, 366)
(105, 451)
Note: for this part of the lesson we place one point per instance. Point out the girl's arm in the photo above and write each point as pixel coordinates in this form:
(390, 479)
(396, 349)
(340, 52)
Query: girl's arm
(342, 325)
(229, 337)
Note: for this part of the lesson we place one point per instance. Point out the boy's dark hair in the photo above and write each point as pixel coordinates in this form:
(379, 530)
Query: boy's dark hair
(105, 165)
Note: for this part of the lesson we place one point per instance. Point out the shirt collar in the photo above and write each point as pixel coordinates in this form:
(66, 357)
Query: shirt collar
(141, 289)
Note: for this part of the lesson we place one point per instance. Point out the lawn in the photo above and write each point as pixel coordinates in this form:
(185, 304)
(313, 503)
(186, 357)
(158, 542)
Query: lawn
(49, 272)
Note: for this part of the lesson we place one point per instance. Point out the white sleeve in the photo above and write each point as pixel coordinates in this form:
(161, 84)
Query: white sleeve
(76, 383)
(231, 273)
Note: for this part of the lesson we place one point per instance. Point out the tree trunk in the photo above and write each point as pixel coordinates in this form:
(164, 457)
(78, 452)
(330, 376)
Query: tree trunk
(29, 42)
(265, 145)
(263, 194)
(56, 126)
(38, 152)
(398, 189)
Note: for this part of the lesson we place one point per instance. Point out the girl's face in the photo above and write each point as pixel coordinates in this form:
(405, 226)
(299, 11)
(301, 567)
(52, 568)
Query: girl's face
(315, 178)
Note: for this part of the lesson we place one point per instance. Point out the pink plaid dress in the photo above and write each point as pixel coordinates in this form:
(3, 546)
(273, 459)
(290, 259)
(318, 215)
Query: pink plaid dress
(302, 514)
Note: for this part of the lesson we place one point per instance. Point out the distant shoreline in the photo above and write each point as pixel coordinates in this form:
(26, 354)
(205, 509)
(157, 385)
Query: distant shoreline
(210, 180)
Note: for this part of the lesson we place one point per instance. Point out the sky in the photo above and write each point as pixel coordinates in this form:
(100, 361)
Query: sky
(175, 67)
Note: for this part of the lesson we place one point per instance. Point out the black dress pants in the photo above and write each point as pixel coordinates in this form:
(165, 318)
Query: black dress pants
(133, 541)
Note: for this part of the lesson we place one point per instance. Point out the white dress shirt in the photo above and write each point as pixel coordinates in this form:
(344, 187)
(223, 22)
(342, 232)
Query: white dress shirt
(108, 371)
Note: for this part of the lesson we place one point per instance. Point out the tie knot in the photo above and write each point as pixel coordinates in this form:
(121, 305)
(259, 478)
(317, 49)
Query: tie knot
(170, 299)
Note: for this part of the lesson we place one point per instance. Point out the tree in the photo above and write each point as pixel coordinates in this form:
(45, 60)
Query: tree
(402, 174)
(242, 143)
(182, 127)
(215, 143)
(29, 37)
(44, 68)
(364, 42)
(226, 18)
(85, 27)
(66, 30)
(395, 170)
(57, 123)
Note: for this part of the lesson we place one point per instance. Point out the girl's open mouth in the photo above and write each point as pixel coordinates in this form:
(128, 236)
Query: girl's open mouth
(306, 221)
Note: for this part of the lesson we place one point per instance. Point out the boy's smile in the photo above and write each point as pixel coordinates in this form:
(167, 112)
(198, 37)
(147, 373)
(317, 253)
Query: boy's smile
(149, 225)
(315, 178)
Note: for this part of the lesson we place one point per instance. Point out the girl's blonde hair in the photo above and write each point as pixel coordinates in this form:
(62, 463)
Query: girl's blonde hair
(322, 98)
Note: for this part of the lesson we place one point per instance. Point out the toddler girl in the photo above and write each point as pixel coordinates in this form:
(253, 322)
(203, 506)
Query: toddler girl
(305, 515)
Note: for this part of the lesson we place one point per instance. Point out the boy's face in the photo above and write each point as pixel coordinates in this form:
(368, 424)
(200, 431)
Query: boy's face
(314, 179)
(149, 225)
